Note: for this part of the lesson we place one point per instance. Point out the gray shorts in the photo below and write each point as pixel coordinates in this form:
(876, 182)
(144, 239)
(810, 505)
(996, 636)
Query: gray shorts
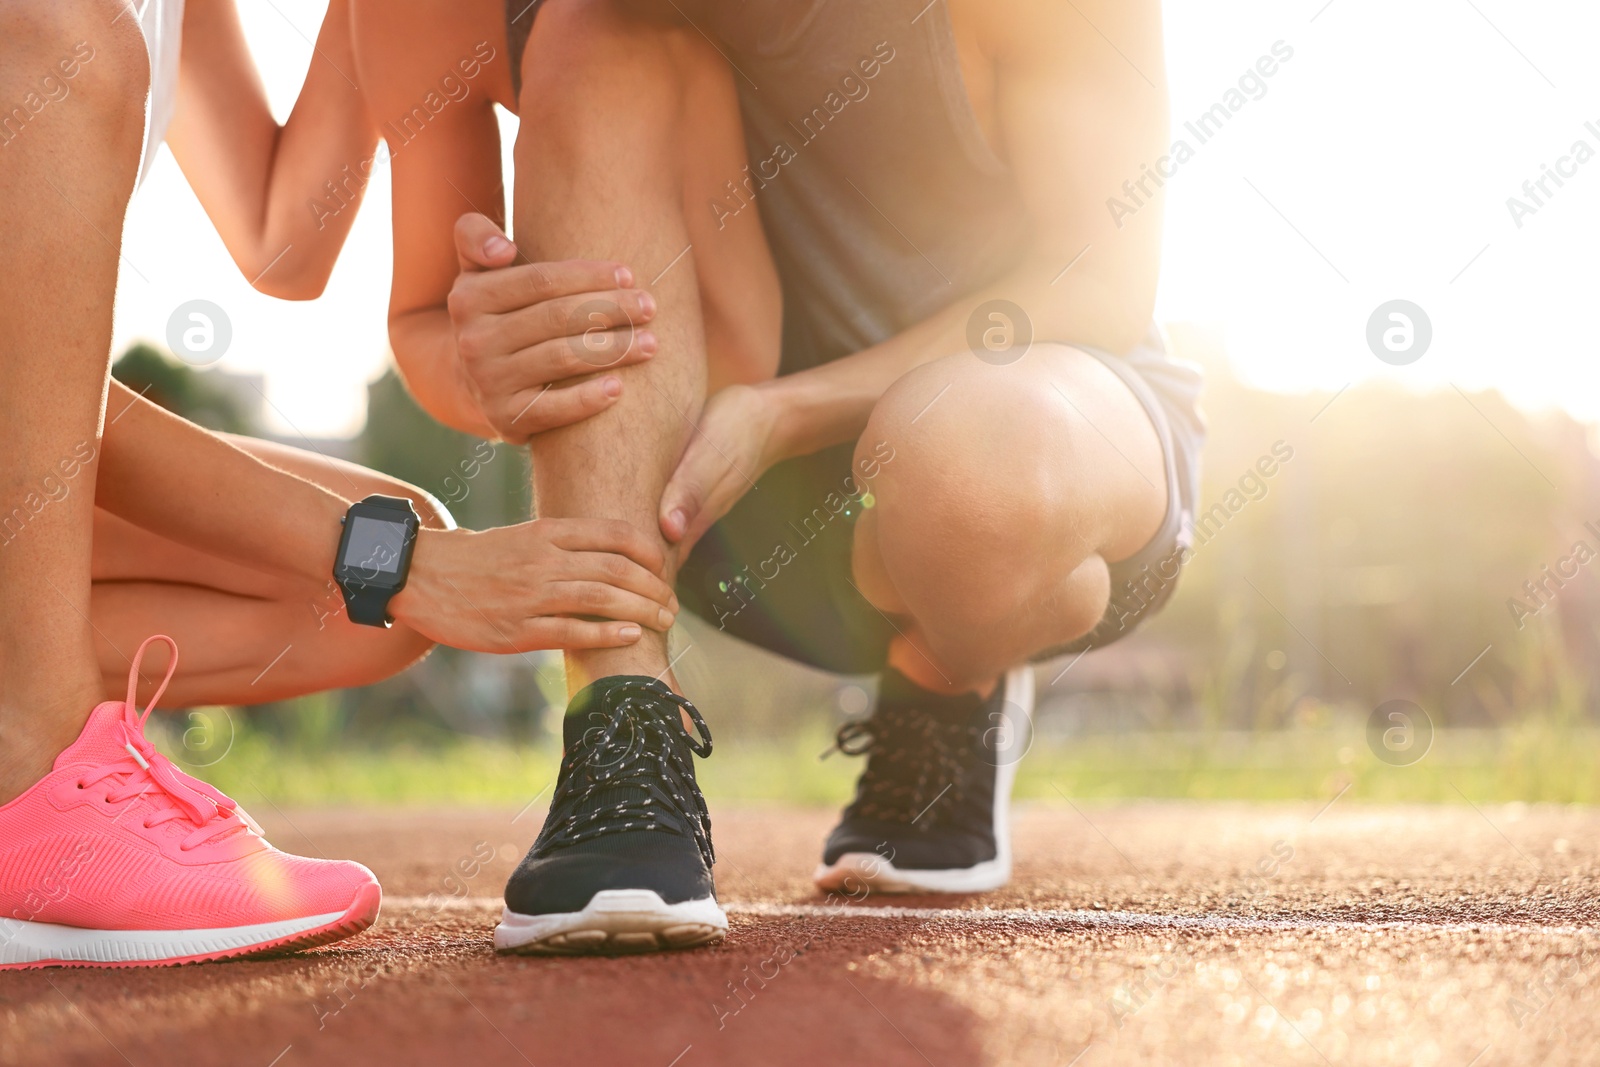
(774, 573)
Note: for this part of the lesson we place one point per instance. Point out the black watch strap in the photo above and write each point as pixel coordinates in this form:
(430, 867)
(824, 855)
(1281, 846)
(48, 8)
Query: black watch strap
(367, 604)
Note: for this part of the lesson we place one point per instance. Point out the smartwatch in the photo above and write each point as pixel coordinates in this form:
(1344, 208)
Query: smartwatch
(374, 556)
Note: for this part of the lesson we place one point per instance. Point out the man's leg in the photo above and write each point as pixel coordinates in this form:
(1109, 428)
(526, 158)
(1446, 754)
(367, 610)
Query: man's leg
(66, 173)
(629, 128)
(1012, 487)
(1006, 500)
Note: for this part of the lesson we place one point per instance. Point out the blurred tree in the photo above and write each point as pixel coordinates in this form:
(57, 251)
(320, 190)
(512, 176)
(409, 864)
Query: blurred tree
(199, 396)
(1377, 562)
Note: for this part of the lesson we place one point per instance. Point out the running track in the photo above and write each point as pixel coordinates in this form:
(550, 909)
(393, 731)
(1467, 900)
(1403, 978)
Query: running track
(1148, 933)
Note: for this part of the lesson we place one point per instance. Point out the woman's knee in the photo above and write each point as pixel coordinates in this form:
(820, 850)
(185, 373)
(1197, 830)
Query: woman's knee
(389, 653)
(430, 509)
(89, 51)
(347, 479)
(332, 651)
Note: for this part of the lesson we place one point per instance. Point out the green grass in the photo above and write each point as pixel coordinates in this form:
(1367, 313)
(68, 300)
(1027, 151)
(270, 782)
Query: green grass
(1527, 763)
(477, 772)
(1534, 761)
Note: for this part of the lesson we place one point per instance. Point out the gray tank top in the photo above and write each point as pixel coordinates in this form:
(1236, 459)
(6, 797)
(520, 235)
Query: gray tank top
(882, 200)
(880, 197)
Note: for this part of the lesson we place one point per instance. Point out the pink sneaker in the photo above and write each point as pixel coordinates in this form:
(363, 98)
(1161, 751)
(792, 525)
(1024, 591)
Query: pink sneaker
(118, 859)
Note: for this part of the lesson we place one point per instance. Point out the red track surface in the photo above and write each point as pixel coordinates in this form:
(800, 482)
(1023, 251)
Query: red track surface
(1185, 934)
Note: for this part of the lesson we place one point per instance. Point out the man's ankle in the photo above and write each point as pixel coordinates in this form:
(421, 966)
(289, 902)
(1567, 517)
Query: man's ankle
(664, 677)
(647, 657)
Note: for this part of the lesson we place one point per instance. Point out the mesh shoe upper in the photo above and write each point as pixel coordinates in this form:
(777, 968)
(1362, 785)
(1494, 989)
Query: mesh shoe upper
(627, 812)
(925, 800)
(115, 837)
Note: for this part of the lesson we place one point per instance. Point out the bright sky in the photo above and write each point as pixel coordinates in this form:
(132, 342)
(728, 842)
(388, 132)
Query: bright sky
(1377, 166)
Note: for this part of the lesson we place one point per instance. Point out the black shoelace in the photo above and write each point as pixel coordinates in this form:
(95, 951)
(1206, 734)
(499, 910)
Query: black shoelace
(632, 772)
(916, 762)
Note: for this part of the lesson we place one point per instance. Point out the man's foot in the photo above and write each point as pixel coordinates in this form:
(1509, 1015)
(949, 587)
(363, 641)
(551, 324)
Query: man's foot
(932, 808)
(118, 859)
(623, 863)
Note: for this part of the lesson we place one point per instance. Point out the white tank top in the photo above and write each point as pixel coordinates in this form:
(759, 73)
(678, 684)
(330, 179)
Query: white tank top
(162, 23)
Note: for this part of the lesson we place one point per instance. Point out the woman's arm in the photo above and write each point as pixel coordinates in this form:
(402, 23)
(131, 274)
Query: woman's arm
(469, 334)
(443, 165)
(195, 487)
(513, 588)
(282, 197)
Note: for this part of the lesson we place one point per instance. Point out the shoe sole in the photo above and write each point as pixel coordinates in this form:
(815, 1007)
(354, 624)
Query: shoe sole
(614, 922)
(854, 869)
(26, 945)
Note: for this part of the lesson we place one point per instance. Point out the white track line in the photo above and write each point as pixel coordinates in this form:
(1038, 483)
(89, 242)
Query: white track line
(444, 903)
(1073, 919)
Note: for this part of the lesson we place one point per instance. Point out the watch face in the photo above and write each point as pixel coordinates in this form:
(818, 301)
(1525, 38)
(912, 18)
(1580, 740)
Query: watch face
(374, 548)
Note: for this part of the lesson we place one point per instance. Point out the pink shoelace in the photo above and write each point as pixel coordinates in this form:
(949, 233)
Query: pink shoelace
(146, 772)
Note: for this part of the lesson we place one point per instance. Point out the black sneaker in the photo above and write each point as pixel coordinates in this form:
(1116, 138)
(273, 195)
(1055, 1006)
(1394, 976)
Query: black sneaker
(623, 863)
(932, 808)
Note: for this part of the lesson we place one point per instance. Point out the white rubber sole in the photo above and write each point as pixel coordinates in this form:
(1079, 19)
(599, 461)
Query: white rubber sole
(879, 874)
(856, 869)
(614, 921)
(25, 944)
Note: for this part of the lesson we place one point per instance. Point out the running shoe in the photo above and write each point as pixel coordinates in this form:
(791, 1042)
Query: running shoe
(623, 863)
(116, 858)
(932, 808)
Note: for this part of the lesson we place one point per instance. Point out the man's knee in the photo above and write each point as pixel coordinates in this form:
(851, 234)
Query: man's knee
(80, 58)
(953, 456)
(584, 40)
(1056, 437)
(979, 520)
(598, 66)
(963, 431)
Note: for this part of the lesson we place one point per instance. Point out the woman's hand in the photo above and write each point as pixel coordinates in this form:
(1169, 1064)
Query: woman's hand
(732, 447)
(524, 331)
(539, 584)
